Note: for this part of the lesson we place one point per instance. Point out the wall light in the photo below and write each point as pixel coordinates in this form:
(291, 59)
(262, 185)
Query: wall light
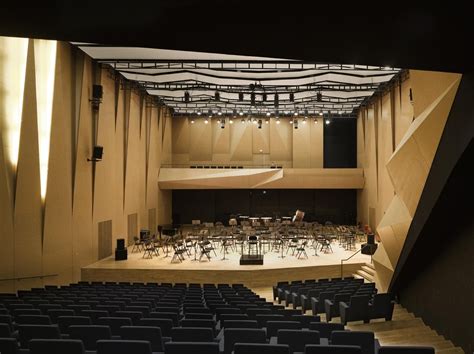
(45, 67)
(13, 54)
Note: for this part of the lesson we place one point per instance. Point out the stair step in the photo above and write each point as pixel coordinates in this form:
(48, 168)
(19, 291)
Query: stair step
(454, 350)
(370, 265)
(369, 270)
(387, 326)
(405, 332)
(365, 275)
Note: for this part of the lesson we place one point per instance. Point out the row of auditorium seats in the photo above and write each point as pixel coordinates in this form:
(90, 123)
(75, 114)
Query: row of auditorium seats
(151, 318)
(348, 298)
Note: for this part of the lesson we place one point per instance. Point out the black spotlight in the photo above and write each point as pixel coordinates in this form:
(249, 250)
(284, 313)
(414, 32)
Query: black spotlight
(264, 97)
(252, 99)
(319, 96)
(217, 96)
(276, 100)
(241, 96)
(186, 96)
(259, 124)
(292, 97)
(295, 123)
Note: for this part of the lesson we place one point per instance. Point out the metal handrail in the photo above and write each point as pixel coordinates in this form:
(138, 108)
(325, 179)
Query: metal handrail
(31, 277)
(344, 260)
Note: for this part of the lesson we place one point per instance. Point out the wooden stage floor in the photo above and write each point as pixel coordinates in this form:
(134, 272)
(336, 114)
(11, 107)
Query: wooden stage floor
(160, 269)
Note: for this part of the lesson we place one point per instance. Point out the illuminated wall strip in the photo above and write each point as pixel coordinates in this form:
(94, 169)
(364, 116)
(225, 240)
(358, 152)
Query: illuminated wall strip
(13, 54)
(45, 67)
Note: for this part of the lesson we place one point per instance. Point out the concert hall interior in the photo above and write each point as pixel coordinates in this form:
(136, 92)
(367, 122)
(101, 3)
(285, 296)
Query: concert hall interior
(176, 171)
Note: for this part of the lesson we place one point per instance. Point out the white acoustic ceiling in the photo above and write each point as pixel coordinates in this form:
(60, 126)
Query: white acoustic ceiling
(188, 81)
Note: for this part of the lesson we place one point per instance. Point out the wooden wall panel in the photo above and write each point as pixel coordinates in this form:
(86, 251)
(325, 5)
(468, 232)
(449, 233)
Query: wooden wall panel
(316, 145)
(301, 146)
(181, 135)
(60, 235)
(401, 138)
(200, 141)
(281, 142)
(261, 138)
(241, 142)
(83, 246)
(28, 213)
(57, 239)
(220, 139)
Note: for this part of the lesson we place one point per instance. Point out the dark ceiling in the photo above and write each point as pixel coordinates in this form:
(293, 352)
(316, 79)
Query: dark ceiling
(390, 33)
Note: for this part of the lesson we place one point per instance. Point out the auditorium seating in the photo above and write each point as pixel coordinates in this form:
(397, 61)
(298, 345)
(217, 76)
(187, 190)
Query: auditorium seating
(150, 318)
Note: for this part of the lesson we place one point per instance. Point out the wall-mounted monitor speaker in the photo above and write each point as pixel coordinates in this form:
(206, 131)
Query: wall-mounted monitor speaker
(97, 92)
(97, 152)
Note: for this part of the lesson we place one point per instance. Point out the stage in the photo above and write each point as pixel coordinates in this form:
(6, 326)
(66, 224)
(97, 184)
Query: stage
(160, 269)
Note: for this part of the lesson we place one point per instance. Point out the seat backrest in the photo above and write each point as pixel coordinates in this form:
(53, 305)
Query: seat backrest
(56, 346)
(5, 330)
(239, 324)
(28, 332)
(234, 317)
(305, 320)
(274, 326)
(198, 323)
(8, 346)
(94, 315)
(199, 316)
(7, 319)
(174, 317)
(89, 334)
(33, 319)
(20, 312)
(123, 347)
(114, 323)
(262, 319)
(192, 347)
(382, 302)
(151, 334)
(256, 348)
(359, 305)
(332, 349)
(297, 339)
(406, 350)
(55, 313)
(253, 312)
(365, 340)
(325, 329)
(192, 334)
(65, 321)
(133, 315)
(241, 335)
(165, 324)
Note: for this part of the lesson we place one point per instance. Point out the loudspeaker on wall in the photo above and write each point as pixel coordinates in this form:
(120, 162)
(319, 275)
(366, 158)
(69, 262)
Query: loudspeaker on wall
(97, 92)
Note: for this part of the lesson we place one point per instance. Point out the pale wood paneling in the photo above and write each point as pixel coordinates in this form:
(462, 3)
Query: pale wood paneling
(316, 145)
(220, 138)
(28, 213)
(83, 246)
(181, 135)
(261, 138)
(57, 239)
(105, 239)
(301, 146)
(200, 141)
(187, 178)
(241, 142)
(281, 141)
(427, 86)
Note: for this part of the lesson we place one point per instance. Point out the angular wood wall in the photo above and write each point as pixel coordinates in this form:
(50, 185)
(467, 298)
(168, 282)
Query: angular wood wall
(59, 233)
(397, 141)
(246, 144)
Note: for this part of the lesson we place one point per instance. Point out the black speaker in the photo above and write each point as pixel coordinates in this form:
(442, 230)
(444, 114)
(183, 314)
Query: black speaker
(97, 92)
(120, 244)
(97, 152)
(371, 239)
(121, 255)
